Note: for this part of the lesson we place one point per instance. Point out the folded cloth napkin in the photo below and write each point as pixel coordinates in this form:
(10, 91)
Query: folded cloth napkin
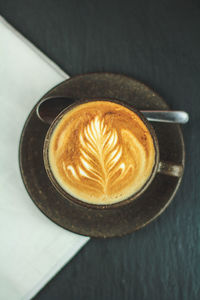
(32, 248)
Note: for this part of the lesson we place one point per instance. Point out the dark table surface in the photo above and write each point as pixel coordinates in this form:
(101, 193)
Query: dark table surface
(157, 42)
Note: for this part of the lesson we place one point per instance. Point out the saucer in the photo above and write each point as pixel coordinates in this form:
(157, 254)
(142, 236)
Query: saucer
(89, 221)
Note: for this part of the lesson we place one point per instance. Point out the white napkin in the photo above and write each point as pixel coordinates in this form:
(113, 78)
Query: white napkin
(32, 248)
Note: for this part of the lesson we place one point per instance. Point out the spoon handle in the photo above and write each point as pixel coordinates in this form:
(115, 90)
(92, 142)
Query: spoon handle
(166, 116)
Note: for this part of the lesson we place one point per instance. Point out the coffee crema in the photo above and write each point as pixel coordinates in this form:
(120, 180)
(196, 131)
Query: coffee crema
(101, 152)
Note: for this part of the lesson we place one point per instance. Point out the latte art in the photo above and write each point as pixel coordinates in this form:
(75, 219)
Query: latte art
(100, 156)
(101, 152)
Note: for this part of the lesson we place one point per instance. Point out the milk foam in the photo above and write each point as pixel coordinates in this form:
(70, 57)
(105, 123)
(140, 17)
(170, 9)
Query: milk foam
(101, 152)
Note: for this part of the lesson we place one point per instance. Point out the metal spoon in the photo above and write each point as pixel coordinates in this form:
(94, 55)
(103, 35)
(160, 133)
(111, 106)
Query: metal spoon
(49, 108)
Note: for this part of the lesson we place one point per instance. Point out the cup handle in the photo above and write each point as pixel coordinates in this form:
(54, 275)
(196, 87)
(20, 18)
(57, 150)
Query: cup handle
(170, 169)
(48, 108)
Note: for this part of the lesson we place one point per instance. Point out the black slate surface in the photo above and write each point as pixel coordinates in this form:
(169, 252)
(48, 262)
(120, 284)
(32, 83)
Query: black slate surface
(157, 42)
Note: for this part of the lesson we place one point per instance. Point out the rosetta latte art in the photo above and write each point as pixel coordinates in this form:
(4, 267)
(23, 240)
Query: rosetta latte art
(98, 142)
(101, 152)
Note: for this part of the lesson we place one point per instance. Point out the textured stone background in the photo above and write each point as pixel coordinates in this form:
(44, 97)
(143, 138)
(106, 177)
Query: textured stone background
(157, 42)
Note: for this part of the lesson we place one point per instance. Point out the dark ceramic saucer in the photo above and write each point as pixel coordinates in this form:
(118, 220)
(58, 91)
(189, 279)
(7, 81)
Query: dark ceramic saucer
(112, 222)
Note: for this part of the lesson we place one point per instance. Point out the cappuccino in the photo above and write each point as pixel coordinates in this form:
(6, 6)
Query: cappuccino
(101, 152)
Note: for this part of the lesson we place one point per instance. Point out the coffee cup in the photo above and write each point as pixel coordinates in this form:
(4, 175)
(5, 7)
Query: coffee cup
(102, 153)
